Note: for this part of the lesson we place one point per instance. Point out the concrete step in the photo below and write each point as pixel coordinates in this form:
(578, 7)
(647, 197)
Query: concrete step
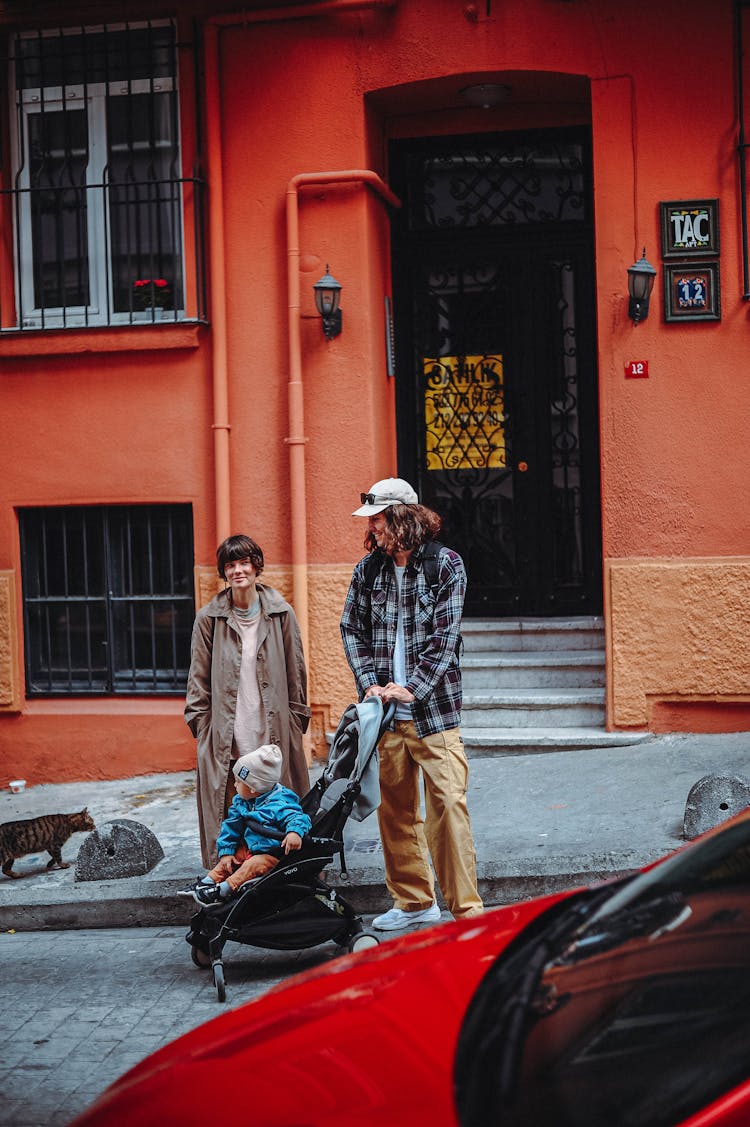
(536, 708)
(525, 669)
(481, 743)
(493, 635)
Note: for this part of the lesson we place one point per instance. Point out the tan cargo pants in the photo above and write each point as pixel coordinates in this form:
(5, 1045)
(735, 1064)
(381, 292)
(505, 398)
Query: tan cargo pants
(444, 833)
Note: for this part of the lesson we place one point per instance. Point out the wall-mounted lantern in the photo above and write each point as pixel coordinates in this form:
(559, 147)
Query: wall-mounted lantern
(327, 298)
(641, 277)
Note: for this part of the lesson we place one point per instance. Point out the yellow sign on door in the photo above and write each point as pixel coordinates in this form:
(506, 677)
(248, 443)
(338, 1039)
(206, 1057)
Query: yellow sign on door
(464, 412)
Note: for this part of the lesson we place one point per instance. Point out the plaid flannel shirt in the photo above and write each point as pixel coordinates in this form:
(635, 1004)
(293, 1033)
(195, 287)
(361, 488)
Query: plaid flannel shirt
(432, 622)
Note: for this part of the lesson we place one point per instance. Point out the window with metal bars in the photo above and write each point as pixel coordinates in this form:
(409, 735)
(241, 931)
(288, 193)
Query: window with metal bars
(101, 208)
(108, 598)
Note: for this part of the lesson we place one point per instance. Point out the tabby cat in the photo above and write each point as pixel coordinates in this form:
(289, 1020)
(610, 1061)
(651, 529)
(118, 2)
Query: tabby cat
(32, 835)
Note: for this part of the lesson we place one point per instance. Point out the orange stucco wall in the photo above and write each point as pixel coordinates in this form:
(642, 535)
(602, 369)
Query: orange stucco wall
(119, 421)
(664, 660)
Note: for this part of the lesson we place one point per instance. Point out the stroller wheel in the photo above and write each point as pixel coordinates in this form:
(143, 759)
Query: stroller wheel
(200, 958)
(362, 940)
(221, 992)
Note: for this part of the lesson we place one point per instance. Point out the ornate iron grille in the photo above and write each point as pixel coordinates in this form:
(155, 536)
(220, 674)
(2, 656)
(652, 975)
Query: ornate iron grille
(496, 186)
(564, 430)
(100, 203)
(474, 421)
(108, 601)
(467, 446)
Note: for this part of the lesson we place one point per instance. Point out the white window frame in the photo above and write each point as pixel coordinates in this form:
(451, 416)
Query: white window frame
(93, 99)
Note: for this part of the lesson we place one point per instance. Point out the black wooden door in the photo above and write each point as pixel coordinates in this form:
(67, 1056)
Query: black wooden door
(496, 377)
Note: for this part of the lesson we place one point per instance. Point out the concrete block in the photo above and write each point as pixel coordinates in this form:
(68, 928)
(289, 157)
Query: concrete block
(712, 800)
(120, 848)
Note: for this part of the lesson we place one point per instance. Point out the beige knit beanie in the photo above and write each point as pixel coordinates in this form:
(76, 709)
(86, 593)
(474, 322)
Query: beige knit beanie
(260, 769)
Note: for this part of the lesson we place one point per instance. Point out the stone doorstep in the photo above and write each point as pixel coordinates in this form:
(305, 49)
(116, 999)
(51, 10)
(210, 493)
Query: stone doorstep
(544, 672)
(511, 636)
(483, 742)
(532, 659)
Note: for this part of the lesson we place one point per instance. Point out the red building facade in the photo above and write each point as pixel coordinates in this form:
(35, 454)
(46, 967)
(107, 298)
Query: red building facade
(478, 177)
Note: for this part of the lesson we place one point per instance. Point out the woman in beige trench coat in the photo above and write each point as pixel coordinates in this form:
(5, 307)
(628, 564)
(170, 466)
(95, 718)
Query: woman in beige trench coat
(279, 711)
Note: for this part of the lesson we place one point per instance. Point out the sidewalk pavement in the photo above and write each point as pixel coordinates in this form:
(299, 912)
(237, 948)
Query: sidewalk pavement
(541, 822)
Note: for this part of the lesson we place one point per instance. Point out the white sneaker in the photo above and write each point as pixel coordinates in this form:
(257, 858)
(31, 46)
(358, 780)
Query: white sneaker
(397, 918)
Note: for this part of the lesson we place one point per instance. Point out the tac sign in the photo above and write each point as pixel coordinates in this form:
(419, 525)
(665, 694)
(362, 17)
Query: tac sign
(689, 227)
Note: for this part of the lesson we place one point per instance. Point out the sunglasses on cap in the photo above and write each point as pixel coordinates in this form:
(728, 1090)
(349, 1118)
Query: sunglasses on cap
(373, 499)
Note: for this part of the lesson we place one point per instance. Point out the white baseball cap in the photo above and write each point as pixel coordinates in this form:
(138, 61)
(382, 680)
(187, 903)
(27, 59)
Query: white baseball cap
(389, 491)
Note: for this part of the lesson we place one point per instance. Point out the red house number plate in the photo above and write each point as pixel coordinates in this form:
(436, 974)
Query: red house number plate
(636, 370)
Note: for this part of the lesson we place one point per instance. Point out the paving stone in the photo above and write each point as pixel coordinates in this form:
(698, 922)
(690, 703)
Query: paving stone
(46, 1056)
(87, 1043)
(91, 1052)
(23, 1116)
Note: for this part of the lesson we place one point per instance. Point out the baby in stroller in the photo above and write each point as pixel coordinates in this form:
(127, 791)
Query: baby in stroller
(291, 906)
(261, 802)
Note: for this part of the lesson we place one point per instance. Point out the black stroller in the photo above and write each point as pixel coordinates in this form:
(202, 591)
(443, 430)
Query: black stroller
(291, 907)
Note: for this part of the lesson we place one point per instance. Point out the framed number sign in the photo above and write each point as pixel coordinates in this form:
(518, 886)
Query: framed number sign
(691, 291)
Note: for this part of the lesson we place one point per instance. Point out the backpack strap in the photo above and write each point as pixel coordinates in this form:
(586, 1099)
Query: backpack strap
(372, 566)
(431, 564)
(431, 569)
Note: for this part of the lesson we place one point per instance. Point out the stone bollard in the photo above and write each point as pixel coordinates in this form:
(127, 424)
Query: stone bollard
(712, 800)
(120, 848)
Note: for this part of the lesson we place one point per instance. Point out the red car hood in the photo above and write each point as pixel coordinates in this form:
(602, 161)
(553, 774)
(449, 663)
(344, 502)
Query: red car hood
(364, 1039)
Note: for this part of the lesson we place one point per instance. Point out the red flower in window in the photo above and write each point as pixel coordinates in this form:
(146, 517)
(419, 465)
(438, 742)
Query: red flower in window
(148, 292)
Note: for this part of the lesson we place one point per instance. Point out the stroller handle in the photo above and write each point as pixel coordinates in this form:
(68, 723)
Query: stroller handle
(388, 713)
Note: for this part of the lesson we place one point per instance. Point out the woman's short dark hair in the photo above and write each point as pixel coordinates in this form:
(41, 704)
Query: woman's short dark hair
(238, 548)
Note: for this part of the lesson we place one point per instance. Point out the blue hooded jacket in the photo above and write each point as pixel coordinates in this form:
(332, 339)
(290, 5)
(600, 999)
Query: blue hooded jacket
(278, 808)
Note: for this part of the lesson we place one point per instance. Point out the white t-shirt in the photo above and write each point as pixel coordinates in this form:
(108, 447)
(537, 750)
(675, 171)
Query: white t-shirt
(403, 711)
(249, 715)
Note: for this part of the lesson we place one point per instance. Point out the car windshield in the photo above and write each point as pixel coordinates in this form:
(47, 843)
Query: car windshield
(627, 1005)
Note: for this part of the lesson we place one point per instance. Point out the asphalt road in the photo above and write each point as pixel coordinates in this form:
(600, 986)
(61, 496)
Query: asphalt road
(79, 1008)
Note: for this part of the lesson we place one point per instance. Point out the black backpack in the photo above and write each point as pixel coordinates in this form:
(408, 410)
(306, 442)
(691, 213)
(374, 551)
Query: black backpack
(430, 567)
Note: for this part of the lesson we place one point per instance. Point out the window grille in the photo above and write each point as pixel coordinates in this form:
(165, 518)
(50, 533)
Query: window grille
(108, 598)
(103, 215)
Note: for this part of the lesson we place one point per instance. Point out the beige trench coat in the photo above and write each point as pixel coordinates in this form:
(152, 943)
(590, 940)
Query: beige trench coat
(212, 696)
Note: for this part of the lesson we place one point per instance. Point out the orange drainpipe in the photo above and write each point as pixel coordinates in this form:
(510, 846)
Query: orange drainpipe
(220, 379)
(297, 440)
(217, 274)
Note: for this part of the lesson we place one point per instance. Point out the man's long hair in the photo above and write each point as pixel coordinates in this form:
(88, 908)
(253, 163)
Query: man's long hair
(407, 527)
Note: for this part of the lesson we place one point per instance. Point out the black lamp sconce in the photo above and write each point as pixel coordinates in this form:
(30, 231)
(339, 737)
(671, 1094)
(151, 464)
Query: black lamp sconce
(641, 277)
(327, 298)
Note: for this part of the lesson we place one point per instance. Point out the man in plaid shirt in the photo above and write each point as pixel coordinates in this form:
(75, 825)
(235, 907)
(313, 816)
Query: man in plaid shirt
(400, 629)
